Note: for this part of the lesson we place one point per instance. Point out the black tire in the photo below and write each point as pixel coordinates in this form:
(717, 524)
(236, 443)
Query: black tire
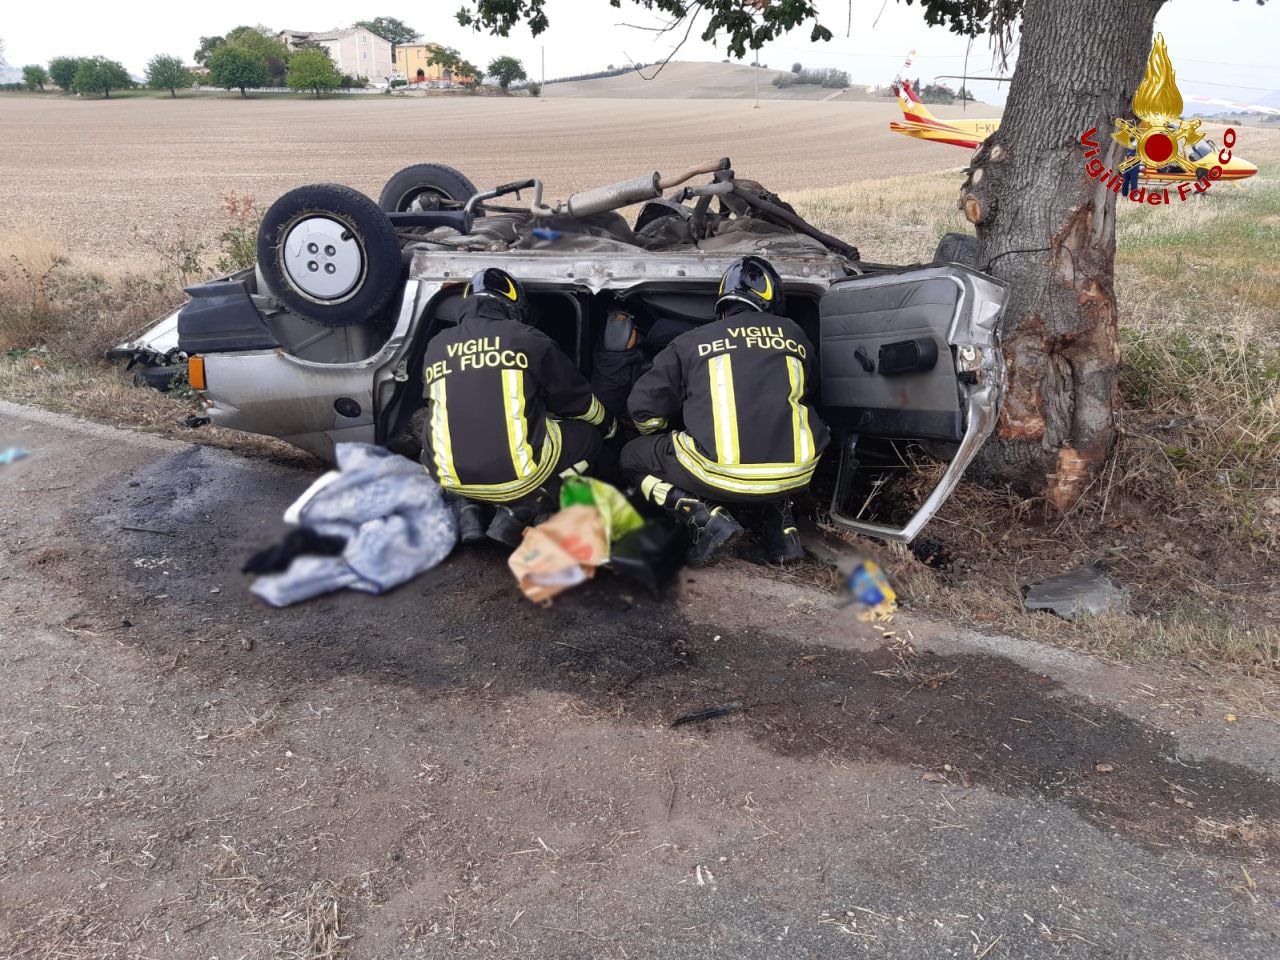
(372, 262)
(409, 184)
(958, 248)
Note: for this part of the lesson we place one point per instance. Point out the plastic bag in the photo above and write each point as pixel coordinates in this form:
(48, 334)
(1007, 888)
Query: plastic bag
(560, 553)
(619, 517)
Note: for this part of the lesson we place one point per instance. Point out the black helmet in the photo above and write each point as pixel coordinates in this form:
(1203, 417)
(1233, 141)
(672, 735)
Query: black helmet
(500, 286)
(753, 281)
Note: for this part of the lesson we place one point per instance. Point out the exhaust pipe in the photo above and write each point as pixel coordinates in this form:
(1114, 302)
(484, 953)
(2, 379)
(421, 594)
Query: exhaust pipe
(623, 194)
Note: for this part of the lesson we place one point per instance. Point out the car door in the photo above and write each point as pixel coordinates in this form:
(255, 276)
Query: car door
(911, 363)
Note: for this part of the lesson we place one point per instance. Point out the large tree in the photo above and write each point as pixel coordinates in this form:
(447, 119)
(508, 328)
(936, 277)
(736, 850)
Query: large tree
(234, 68)
(506, 70)
(62, 71)
(313, 70)
(395, 32)
(100, 75)
(34, 75)
(168, 73)
(261, 41)
(206, 48)
(1042, 223)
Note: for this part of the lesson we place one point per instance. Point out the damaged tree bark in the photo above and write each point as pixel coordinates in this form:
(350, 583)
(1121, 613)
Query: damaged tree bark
(1048, 229)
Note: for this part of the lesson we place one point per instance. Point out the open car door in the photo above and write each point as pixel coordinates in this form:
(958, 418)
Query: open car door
(911, 368)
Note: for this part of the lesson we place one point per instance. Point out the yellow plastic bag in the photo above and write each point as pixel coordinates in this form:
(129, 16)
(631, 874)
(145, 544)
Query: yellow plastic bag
(620, 518)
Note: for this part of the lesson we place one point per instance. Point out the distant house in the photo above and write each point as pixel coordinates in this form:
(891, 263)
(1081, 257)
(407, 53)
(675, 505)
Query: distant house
(354, 51)
(412, 62)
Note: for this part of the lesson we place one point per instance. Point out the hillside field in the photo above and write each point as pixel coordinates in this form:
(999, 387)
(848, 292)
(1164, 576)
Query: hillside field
(113, 177)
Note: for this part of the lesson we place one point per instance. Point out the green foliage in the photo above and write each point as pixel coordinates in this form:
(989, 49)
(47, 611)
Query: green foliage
(830, 77)
(168, 73)
(62, 71)
(259, 40)
(744, 25)
(357, 82)
(239, 241)
(797, 67)
(395, 32)
(506, 70)
(35, 76)
(462, 71)
(206, 48)
(232, 68)
(312, 70)
(937, 93)
(100, 75)
(534, 88)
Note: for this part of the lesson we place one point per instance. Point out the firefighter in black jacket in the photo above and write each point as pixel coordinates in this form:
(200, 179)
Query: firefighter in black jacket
(739, 386)
(508, 413)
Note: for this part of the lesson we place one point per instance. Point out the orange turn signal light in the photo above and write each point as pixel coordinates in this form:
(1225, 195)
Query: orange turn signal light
(195, 372)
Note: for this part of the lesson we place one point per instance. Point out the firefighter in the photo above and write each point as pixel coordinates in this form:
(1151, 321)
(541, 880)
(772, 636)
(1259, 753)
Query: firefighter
(508, 413)
(739, 386)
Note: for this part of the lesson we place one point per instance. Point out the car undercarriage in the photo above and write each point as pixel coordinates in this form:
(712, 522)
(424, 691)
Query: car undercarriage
(322, 341)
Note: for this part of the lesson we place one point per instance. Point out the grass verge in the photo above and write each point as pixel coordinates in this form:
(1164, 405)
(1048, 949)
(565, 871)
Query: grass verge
(1187, 513)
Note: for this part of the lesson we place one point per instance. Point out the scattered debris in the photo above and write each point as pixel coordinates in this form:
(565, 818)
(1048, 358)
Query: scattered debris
(1104, 768)
(711, 713)
(1085, 591)
(193, 421)
(933, 776)
(12, 455)
(1230, 718)
(391, 514)
(869, 587)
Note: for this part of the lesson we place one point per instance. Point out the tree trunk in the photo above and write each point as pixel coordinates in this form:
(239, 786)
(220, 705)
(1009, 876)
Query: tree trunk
(1048, 229)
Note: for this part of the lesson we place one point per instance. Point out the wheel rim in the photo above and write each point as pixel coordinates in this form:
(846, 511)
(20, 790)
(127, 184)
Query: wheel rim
(322, 258)
(424, 199)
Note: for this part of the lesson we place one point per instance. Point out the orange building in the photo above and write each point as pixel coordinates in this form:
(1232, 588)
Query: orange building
(413, 62)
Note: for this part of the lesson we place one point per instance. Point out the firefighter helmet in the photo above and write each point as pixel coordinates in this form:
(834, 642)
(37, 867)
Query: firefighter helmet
(501, 286)
(753, 281)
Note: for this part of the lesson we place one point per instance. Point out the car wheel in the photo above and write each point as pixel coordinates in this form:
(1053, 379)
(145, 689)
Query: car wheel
(329, 254)
(958, 248)
(424, 186)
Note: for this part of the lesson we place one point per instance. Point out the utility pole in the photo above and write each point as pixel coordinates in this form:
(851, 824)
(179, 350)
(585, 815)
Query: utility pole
(756, 105)
(542, 89)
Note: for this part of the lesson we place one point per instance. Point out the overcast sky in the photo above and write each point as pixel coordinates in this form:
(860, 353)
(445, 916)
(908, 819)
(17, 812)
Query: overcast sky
(1219, 47)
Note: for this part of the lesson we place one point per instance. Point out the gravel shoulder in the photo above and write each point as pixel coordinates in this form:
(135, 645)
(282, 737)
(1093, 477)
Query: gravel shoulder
(450, 771)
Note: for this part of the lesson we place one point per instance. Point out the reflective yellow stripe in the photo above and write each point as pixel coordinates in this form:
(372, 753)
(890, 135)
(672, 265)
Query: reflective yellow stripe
(652, 425)
(655, 489)
(723, 409)
(688, 450)
(758, 486)
(799, 414)
(517, 430)
(441, 445)
(521, 487)
(595, 413)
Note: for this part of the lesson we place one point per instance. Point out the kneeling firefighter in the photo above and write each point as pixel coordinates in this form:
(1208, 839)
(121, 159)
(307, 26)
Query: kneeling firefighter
(508, 413)
(740, 386)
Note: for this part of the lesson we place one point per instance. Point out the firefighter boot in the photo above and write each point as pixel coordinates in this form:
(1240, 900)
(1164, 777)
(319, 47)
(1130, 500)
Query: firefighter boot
(472, 519)
(781, 538)
(711, 528)
(510, 519)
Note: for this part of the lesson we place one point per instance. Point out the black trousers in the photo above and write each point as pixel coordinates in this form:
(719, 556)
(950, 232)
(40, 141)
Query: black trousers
(656, 456)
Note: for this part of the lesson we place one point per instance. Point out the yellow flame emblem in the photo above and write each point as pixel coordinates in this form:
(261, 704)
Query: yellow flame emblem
(1161, 137)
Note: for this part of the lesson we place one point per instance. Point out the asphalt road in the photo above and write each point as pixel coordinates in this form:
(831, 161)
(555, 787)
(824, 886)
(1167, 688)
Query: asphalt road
(449, 771)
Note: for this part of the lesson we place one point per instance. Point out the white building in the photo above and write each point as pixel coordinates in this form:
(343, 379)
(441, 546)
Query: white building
(354, 51)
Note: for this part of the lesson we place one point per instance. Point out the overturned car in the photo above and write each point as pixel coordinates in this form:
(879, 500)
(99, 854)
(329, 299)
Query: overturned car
(323, 340)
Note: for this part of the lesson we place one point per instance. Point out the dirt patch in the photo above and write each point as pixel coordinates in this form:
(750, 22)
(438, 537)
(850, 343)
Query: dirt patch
(972, 719)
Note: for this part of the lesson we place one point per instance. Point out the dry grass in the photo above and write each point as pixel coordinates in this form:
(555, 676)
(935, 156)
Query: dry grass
(1187, 514)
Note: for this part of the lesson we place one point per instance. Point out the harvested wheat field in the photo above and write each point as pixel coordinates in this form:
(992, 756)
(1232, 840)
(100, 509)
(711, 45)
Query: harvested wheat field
(109, 176)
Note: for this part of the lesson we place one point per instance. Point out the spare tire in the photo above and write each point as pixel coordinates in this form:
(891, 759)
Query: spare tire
(329, 254)
(427, 185)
